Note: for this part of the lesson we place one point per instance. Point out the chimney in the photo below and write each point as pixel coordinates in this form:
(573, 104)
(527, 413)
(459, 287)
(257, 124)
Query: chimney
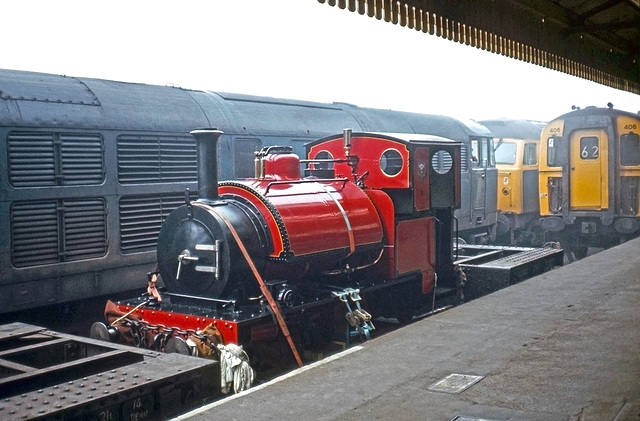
(207, 143)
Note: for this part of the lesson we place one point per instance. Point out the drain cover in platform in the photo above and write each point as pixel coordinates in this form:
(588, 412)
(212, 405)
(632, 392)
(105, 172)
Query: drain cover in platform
(455, 383)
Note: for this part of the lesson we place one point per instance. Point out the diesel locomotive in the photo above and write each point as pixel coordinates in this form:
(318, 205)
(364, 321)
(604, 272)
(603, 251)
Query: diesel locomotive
(366, 229)
(590, 178)
(516, 150)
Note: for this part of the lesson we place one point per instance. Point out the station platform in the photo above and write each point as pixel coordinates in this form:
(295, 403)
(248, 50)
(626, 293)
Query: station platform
(564, 345)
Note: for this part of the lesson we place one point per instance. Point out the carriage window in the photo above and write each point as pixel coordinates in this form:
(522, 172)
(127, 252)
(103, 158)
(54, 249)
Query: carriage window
(589, 148)
(630, 149)
(530, 154)
(391, 162)
(506, 153)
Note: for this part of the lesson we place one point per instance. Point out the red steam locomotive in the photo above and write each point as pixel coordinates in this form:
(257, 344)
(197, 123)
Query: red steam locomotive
(367, 231)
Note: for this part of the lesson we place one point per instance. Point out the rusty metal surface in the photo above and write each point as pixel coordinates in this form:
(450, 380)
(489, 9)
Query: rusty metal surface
(48, 375)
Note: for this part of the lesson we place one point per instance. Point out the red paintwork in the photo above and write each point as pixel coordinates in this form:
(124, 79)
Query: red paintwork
(228, 329)
(368, 149)
(384, 205)
(282, 167)
(317, 217)
(416, 249)
(409, 245)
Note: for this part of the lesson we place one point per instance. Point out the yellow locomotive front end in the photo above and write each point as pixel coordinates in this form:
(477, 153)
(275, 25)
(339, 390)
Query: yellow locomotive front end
(516, 151)
(589, 178)
(517, 162)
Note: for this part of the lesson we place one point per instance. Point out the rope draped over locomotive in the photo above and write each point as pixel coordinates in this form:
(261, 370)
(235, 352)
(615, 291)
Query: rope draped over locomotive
(367, 231)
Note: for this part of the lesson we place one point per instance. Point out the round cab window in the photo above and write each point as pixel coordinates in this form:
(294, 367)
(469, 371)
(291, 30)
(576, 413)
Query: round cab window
(391, 162)
(442, 162)
(323, 165)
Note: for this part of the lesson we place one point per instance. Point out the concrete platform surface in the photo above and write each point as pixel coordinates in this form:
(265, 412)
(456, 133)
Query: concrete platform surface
(561, 346)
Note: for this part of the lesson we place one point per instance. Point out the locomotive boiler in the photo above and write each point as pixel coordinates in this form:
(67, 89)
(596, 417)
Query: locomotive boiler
(367, 231)
(277, 224)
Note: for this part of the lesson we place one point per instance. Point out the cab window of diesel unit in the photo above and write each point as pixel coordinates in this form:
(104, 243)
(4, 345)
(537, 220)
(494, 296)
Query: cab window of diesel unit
(474, 152)
(482, 156)
(630, 149)
(506, 153)
(530, 156)
(491, 155)
(553, 152)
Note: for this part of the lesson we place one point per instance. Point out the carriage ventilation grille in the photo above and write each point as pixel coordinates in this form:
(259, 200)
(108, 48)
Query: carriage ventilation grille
(48, 232)
(141, 218)
(156, 159)
(55, 159)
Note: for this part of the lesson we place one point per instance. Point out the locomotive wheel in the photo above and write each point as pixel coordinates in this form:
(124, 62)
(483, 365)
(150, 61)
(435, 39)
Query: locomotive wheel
(177, 345)
(103, 332)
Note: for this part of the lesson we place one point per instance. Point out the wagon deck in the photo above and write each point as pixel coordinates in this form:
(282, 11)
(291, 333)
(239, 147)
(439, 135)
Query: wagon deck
(49, 375)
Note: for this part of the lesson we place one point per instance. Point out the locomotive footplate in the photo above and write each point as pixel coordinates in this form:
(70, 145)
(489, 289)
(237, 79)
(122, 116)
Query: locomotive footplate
(490, 268)
(48, 375)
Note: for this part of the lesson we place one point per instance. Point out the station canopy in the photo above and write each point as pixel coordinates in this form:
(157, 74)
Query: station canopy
(597, 40)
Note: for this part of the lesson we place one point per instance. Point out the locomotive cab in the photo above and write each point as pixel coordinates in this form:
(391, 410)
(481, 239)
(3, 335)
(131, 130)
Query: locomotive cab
(414, 181)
